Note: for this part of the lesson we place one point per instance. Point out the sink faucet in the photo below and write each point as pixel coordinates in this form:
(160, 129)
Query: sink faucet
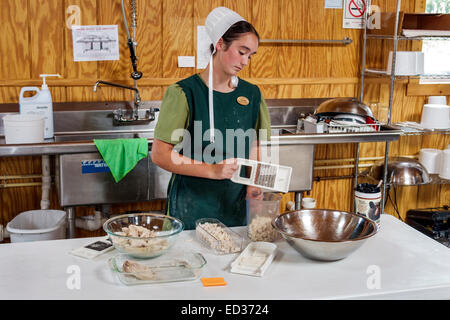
(137, 97)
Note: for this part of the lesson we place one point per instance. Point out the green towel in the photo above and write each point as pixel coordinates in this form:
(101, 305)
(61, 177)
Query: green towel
(122, 155)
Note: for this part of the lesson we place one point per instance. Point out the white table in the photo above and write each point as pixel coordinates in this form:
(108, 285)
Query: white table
(408, 264)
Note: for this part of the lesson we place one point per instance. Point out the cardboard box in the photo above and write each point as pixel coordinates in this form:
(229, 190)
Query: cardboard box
(410, 21)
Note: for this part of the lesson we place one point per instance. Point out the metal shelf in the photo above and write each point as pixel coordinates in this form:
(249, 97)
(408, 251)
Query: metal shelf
(391, 37)
(344, 41)
(412, 130)
(383, 73)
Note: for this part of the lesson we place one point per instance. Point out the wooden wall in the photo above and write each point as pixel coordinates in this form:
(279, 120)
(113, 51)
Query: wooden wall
(35, 39)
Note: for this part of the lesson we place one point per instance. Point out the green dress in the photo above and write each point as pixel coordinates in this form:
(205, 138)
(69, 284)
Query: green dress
(191, 198)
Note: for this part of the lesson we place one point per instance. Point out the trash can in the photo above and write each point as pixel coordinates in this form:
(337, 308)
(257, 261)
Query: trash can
(37, 225)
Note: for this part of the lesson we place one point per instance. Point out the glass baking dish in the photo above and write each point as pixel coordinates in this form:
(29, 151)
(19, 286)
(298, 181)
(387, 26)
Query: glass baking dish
(217, 237)
(174, 266)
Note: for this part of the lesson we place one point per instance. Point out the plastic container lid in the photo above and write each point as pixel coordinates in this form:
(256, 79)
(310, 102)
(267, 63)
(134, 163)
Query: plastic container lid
(255, 259)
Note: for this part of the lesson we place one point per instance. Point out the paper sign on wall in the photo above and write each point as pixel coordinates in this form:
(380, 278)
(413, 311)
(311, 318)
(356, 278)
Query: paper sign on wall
(95, 43)
(354, 13)
(333, 4)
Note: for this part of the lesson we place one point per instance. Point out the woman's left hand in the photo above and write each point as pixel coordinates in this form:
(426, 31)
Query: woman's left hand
(254, 193)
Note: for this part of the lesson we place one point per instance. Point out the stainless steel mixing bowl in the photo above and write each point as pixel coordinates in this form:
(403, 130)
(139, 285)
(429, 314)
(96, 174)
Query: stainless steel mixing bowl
(401, 171)
(337, 106)
(326, 235)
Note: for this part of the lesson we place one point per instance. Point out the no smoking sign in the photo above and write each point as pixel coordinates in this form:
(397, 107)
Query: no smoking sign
(354, 12)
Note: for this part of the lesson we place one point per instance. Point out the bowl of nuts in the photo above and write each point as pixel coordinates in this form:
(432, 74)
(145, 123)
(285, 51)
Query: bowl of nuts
(143, 235)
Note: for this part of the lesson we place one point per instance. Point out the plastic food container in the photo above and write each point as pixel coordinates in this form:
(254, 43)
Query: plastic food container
(260, 214)
(435, 116)
(23, 128)
(174, 266)
(217, 237)
(255, 259)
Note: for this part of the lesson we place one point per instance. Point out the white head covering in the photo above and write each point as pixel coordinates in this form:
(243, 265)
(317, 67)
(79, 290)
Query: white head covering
(217, 23)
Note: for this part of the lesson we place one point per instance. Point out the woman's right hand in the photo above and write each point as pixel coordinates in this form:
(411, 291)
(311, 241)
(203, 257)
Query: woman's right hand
(224, 169)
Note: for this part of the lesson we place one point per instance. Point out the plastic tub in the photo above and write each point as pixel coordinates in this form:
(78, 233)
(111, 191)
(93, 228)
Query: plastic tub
(23, 128)
(38, 225)
(435, 116)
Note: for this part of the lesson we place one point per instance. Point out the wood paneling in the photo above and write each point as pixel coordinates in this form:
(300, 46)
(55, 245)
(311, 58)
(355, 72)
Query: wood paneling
(36, 39)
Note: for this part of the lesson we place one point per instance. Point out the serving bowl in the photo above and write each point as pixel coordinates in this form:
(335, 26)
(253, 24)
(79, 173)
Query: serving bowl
(143, 235)
(400, 171)
(326, 235)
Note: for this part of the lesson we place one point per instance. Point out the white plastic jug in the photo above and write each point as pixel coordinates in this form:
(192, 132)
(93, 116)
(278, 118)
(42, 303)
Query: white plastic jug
(39, 104)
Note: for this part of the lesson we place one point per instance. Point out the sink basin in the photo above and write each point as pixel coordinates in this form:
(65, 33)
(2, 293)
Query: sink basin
(87, 125)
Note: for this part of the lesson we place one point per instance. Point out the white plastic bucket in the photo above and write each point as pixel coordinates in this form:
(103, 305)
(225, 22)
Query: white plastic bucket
(431, 159)
(38, 225)
(444, 171)
(23, 128)
(435, 116)
(368, 205)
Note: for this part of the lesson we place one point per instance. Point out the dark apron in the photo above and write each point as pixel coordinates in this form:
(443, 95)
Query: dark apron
(191, 198)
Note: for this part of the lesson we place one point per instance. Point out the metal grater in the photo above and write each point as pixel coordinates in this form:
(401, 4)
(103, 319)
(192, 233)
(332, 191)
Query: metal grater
(264, 175)
(267, 175)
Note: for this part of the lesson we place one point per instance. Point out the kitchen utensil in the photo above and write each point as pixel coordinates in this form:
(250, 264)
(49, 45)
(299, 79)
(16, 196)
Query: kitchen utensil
(162, 234)
(260, 214)
(437, 100)
(263, 175)
(435, 116)
(339, 106)
(444, 171)
(430, 159)
(327, 235)
(175, 266)
(217, 237)
(401, 171)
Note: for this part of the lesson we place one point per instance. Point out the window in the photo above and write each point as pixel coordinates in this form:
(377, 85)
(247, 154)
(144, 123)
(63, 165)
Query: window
(437, 52)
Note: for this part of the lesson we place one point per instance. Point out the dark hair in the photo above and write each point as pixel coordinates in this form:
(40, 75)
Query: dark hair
(235, 31)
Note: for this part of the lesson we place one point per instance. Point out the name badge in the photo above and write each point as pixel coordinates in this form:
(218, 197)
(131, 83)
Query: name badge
(243, 101)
